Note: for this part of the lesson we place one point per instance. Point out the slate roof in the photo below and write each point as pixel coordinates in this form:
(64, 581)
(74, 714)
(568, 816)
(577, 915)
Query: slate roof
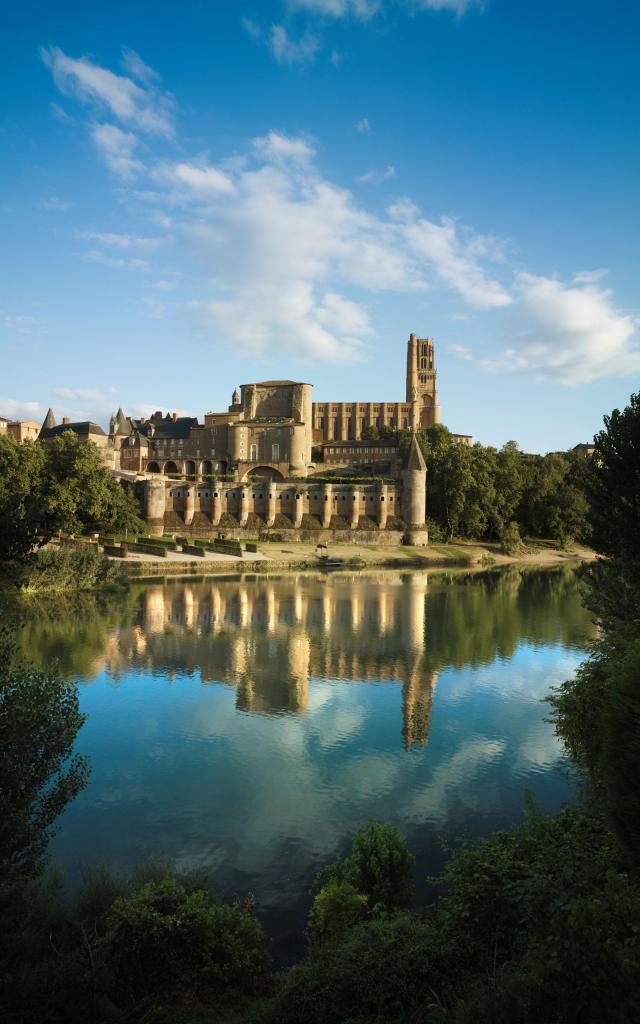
(178, 428)
(84, 427)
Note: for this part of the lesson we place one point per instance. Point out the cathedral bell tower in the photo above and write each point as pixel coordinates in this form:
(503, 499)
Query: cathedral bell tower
(422, 393)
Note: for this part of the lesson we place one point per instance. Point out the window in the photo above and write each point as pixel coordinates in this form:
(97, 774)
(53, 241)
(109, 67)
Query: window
(254, 453)
(275, 453)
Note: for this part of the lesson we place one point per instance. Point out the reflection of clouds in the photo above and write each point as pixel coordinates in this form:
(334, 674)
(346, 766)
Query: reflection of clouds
(453, 775)
(242, 748)
(525, 678)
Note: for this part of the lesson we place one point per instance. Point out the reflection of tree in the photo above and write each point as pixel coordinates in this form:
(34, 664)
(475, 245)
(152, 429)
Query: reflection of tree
(268, 638)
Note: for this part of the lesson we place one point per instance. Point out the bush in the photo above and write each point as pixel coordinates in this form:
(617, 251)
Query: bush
(166, 939)
(436, 533)
(81, 568)
(380, 971)
(510, 540)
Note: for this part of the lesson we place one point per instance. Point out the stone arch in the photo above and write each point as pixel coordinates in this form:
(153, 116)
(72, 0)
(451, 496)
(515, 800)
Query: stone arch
(153, 467)
(170, 468)
(264, 473)
(207, 467)
(189, 468)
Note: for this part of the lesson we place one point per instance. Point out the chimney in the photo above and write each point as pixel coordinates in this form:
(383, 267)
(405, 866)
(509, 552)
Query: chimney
(65, 419)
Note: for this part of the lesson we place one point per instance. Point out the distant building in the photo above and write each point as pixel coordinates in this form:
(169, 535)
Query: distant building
(85, 430)
(19, 430)
(586, 449)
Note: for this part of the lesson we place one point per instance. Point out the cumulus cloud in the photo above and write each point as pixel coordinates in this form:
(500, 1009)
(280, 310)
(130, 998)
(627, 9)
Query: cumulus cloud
(455, 253)
(191, 179)
(286, 245)
(16, 409)
(139, 106)
(568, 333)
(117, 149)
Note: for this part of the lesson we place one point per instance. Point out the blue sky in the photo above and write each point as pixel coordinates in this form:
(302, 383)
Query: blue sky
(202, 195)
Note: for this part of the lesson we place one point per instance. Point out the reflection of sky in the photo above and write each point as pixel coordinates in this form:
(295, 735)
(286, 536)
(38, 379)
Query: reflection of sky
(182, 770)
(178, 771)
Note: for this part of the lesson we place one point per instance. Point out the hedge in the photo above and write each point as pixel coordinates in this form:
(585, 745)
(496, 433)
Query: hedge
(115, 550)
(149, 549)
(192, 549)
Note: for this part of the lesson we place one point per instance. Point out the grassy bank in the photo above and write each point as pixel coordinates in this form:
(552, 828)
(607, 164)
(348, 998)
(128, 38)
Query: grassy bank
(283, 557)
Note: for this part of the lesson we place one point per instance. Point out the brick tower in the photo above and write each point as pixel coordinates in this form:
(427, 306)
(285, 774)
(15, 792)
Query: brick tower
(421, 382)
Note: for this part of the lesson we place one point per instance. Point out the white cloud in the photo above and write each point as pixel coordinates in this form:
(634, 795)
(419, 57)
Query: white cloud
(363, 9)
(142, 107)
(114, 262)
(376, 177)
(459, 7)
(133, 63)
(20, 323)
(363, 126)
(279, 148)
(252, 28)
(292, 51)
(15, 409)
(54, 203)
(117, 148)
(193, 180)
(117, 241)
(455, 254)
(568, 333)
(79, 394)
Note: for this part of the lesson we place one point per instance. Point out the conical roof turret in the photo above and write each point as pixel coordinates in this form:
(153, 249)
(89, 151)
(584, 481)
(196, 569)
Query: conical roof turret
(416, 458)
(49, 421)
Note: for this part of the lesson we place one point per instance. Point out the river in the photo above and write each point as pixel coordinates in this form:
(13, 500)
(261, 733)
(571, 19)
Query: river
(248, 726)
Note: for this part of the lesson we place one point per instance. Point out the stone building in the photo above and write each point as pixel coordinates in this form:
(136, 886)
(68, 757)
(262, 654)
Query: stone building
(352, 421)
(19, 430)
(265, 432)
(85, 430)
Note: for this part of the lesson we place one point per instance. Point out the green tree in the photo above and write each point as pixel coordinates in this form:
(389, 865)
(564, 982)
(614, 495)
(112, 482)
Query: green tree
(24, 517)
(81, 494)
(597, 714)
(166, 939)
(39, 721)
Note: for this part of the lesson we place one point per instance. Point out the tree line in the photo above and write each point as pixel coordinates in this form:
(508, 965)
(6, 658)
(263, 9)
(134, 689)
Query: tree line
(480, 492)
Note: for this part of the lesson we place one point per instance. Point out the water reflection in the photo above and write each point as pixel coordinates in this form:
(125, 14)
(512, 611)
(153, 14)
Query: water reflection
(268, 637)
(249, 725)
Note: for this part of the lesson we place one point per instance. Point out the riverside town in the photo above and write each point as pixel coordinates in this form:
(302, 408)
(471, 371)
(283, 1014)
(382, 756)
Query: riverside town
(320, 693)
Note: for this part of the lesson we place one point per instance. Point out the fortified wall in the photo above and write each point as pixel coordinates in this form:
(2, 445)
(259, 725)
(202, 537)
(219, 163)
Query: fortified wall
(321, 510)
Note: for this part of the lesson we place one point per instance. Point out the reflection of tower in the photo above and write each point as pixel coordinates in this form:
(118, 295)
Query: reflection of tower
(417, 686)
(417, 701)
(299, 653)
(154, 610)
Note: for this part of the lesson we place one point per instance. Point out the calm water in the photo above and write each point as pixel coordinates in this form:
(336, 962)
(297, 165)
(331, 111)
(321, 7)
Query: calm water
(249, 725)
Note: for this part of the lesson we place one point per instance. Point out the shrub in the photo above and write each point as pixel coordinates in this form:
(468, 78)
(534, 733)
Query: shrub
(380, 971)
(166, 939)
(510, 541)
(337, 907)
(81, 568)
(436, 533)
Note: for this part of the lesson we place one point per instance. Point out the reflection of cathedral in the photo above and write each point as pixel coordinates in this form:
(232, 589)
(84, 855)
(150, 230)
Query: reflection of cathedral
(270, 639)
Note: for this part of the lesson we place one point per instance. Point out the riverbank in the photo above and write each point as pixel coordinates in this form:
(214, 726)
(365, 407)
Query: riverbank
(282, 557)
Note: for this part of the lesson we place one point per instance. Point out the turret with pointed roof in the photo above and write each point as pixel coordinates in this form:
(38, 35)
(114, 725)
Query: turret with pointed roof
(49, 422)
